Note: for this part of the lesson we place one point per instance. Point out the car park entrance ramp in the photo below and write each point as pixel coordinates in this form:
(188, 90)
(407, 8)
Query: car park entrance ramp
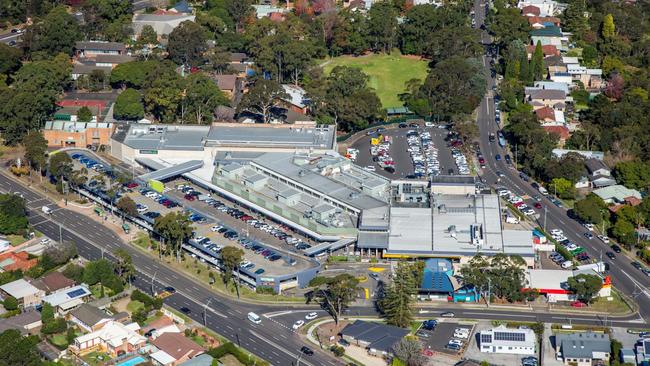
(167, 172)
(329, 246)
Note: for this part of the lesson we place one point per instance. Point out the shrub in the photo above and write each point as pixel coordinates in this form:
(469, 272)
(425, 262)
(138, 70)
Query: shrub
(267, 290)
(337, 350)
(229, 348)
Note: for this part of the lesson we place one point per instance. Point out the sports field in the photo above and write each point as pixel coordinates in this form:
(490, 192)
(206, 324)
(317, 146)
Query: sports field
(388, 73)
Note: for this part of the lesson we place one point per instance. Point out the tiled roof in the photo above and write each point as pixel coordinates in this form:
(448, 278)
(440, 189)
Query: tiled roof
(561, 131)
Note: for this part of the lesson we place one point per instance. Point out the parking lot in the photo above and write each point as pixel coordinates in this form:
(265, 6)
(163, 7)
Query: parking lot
(438, 339)
(269, 249)
(405, 142)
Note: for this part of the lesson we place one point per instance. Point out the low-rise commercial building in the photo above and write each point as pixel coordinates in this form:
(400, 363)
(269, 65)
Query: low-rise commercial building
(519, 341)
(582, 348)
(377, 338)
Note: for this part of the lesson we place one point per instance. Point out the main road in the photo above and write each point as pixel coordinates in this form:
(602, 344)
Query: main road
(625, 278)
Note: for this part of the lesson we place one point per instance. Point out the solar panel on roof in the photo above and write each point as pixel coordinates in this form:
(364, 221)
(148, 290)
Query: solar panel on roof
(486, 338)
(507, 336)
(76, 293)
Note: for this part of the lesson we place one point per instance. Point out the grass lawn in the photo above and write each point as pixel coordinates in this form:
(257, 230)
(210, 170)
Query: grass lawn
(97, 292)
(616, 306)
(15, 240)
(199, 340)
(230, 360)
(388, 73)
(134, 306)
(59, 340)
(96, 358)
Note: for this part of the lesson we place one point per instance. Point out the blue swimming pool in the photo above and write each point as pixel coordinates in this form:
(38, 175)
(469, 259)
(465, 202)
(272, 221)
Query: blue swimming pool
(132, 362)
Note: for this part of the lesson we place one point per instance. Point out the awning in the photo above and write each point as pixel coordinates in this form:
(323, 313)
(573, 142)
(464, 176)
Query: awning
(170, 171)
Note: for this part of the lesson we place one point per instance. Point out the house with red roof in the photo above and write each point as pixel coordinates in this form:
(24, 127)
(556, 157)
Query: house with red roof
(530, 11)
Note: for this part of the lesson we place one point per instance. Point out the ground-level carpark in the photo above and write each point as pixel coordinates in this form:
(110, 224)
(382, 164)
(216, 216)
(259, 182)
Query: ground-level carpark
(438, 338)
(399, 151)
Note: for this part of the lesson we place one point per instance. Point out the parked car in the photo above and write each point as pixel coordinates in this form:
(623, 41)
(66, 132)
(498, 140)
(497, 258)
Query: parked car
(448, 314)
(306, 350)
(610, 255)
(311, 316)
(298, 324)
(616, 248)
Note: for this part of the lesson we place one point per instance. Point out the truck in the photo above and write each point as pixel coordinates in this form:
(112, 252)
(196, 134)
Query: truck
(599, 267)
(46, 210)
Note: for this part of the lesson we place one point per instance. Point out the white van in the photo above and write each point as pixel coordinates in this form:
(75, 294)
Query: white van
(46, 210)
(254, 318)
(512, 220)
(567, 264)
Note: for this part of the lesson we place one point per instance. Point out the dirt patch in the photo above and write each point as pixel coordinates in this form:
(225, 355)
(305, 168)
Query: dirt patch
(120, 305)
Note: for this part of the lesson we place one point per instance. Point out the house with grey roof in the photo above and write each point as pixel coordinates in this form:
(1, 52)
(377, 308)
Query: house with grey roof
(582, 348)
(377, 338)
(599, 174)
(26, 323)
(89, 317)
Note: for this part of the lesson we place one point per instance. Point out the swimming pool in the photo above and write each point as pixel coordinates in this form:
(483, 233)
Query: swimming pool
(132, 362)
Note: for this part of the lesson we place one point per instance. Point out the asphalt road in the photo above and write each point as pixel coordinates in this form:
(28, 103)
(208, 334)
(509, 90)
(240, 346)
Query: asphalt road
(270, 340)
(625, 278)
(8, 37)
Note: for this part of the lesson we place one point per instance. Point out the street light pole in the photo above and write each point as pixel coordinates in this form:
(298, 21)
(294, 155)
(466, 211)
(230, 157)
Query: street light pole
(487, 299)
(205, 312)
(152, 281)
(545, 209)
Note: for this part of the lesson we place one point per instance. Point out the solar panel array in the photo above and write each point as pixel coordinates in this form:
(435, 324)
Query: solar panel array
(507, 336)
(76, 293)
(486, 338)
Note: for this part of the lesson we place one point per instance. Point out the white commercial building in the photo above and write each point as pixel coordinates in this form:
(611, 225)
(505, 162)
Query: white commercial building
(508, 340)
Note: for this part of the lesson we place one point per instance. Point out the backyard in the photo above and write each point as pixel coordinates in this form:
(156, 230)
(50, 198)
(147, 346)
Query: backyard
(388, 73)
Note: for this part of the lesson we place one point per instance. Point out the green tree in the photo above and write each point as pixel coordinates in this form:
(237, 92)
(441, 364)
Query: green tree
(17, 350)
(175, 228)
(537, 62)
(585, 286)
(13, 214)
(608, 29)
(507, 24)
(261, 97)
(624, 231)
(138, 73)
(128, 105)
(202, 97)
(399, 296)
(10, 303)
(633, 174)
(84, 114)
(230, 257)
(409, 351)
(60, 165)
(187, 44)
(573, 18)
(127, 205)
(9, 59)
(47, 313)
(563, 188)
(58, 32)
(590, 209)
(164, 94)
(148, 36)
(124, 265)
(382, 27)
(334, 293)
(35, 149)
(74, 272)
(240, 11)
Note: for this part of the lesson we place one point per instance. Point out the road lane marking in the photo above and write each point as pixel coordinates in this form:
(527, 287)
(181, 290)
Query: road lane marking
(296, 355)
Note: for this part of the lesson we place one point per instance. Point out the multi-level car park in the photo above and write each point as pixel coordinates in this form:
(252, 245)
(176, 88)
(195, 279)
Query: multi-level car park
(263, 264)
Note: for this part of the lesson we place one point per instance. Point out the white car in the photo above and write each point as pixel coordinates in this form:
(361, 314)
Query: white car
(370, 168)
(216, 227)
(557, 232)
(311, 316)
(456, 342)
(298, 324)
(604, 239)
(429, 124)
(45, 241)
(589, 227)
(461, 335)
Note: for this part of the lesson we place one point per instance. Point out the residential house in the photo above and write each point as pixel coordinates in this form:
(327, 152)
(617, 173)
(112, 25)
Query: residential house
(582, 183)
(551, 35)
(4, 244)
(23, 291)
(95, 48)
(229, 84)
(547, 98)
(546, 7)
(80, 134)
(12, 261)
(559, 153)
(297, 98)
(548, 51)
(270, 11)
(174, 349)
(64, 301)
(549, 116)
(241, 64)
(599, 174)
(200, 360)
(537, 22)
(530, 11)
(80, 70)
(519, 341)
(376, 337)
(562, 132)
(53, 281)
(617, 194)
(162, 24)
(26, 323)
(89, 317)
(551, 85)
(583, 348)
(112, 338)
(591, 79)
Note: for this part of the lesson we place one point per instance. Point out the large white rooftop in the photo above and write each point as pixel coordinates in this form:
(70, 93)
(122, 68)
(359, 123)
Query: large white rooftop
(19, 289)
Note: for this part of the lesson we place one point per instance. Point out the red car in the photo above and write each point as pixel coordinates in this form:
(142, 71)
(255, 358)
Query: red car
(538, 205)
(578, 304)
(190, 197)
(518, 204)
(132, 185)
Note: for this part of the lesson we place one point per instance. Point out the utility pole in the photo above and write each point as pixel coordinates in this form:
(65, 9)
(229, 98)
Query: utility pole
(61, 235)
(487, 299)
(152, 281)
(205, 312)
(545, 209)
